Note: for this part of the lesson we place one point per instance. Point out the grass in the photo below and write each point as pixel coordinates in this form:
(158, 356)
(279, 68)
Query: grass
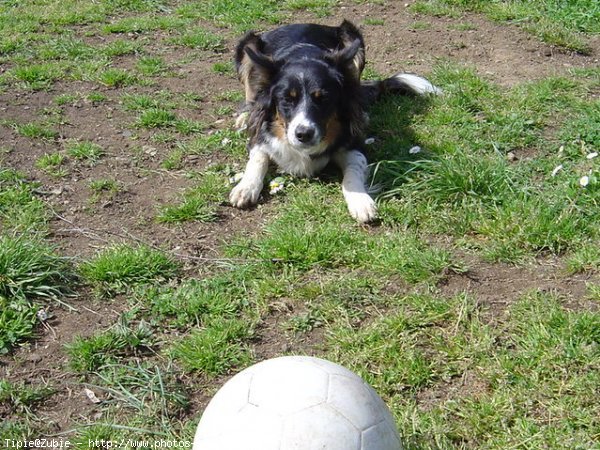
(85, 151)
(156, 118)
(120, 267)
(194, 301)
(116, 78)
(104, 185)
(36, 77)
(151, 66)
(508, 211)
(327, 243)
(556, 22)
(199, 38)
(36, 131)
(91, 353)
(216, 349)
(52, 163)
(30, 269)
(20, 209)
(199, 203)
(504, 177)
(21, 397)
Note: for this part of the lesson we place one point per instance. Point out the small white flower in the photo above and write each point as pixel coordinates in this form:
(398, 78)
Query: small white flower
(416, 149)
(236, 178)
(369, 141)
(42, 315)
(561, 149)
(584, 181)
(592, 155)
(276, 185)
(225, 142)
(557, 169)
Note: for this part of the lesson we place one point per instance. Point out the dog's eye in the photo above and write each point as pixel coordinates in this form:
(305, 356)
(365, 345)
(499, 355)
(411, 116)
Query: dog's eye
(291, 96)
(319, 96)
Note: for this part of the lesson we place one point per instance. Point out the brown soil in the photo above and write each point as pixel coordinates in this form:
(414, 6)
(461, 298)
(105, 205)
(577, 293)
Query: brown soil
(406, 42)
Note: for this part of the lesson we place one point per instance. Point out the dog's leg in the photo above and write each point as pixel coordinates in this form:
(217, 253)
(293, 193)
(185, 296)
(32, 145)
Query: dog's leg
(354, 168)
(247, 191)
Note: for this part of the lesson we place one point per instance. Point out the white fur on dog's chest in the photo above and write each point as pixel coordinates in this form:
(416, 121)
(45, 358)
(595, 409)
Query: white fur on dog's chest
(294, 161)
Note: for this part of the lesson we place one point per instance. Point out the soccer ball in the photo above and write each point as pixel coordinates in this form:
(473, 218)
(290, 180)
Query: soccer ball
(300, 403)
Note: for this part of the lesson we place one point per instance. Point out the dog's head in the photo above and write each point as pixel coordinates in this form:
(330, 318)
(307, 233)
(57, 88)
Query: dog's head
(304, 99)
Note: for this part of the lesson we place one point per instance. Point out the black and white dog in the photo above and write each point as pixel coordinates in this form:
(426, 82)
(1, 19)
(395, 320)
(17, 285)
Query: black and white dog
(306, 106)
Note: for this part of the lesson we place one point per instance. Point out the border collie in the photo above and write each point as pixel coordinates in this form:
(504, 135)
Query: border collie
(306, 106)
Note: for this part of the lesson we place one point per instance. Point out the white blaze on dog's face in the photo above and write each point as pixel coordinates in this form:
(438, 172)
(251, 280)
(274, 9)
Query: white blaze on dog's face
(306, 98)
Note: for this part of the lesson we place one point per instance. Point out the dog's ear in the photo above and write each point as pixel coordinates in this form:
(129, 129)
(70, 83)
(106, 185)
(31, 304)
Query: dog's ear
(260, 59)
(348, 60)
(350, 57)
(254, 68)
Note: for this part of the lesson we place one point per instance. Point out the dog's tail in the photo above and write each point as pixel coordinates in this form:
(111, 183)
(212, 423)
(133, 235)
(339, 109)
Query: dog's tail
(400, 84)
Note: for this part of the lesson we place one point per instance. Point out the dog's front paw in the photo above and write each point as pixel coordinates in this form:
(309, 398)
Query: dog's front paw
(245, 195)
(362, 207)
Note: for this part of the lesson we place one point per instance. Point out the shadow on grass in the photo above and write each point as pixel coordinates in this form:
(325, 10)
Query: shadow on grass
(396, 147)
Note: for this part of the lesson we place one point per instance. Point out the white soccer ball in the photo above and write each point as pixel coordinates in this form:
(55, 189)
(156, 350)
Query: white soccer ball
(300, 403)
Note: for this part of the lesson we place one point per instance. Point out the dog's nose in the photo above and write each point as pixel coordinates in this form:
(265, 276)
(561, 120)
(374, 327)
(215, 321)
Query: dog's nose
(305, 133)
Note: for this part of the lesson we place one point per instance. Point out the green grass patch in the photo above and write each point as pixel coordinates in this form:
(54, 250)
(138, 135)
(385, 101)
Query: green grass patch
(199, 38)
(52, 163)
(36, 131)
(92, 353)
(189, 126)
(84, 150)
(420, 341)
(116, 78)
(463, 182)
(30, 269)
(20, 209)
(242, 15)
(586, 258)
(330, 239)
(17, 322)
(145, 24)
(556, 22)
(20, 397)
(195, 302)
(120, 47)
(65, 48)
(215, 349)
(321, 8)
(229, 141)
(105, 185)
(120, 267)
(37, 76)
(224, 68)
(425, 346)
(66, 99)
(156, 118)
(200, 202)
(141, 102)
(230, 96)
(151, 66)
(96, 97)
(150, 390)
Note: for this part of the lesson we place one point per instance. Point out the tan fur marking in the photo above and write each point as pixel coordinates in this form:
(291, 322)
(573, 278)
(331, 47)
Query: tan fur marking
(334, 128)
(244, 73)
(279, 127)
(252, 76)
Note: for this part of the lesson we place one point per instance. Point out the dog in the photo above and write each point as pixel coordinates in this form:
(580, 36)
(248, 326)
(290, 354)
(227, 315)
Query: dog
(305, 105)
